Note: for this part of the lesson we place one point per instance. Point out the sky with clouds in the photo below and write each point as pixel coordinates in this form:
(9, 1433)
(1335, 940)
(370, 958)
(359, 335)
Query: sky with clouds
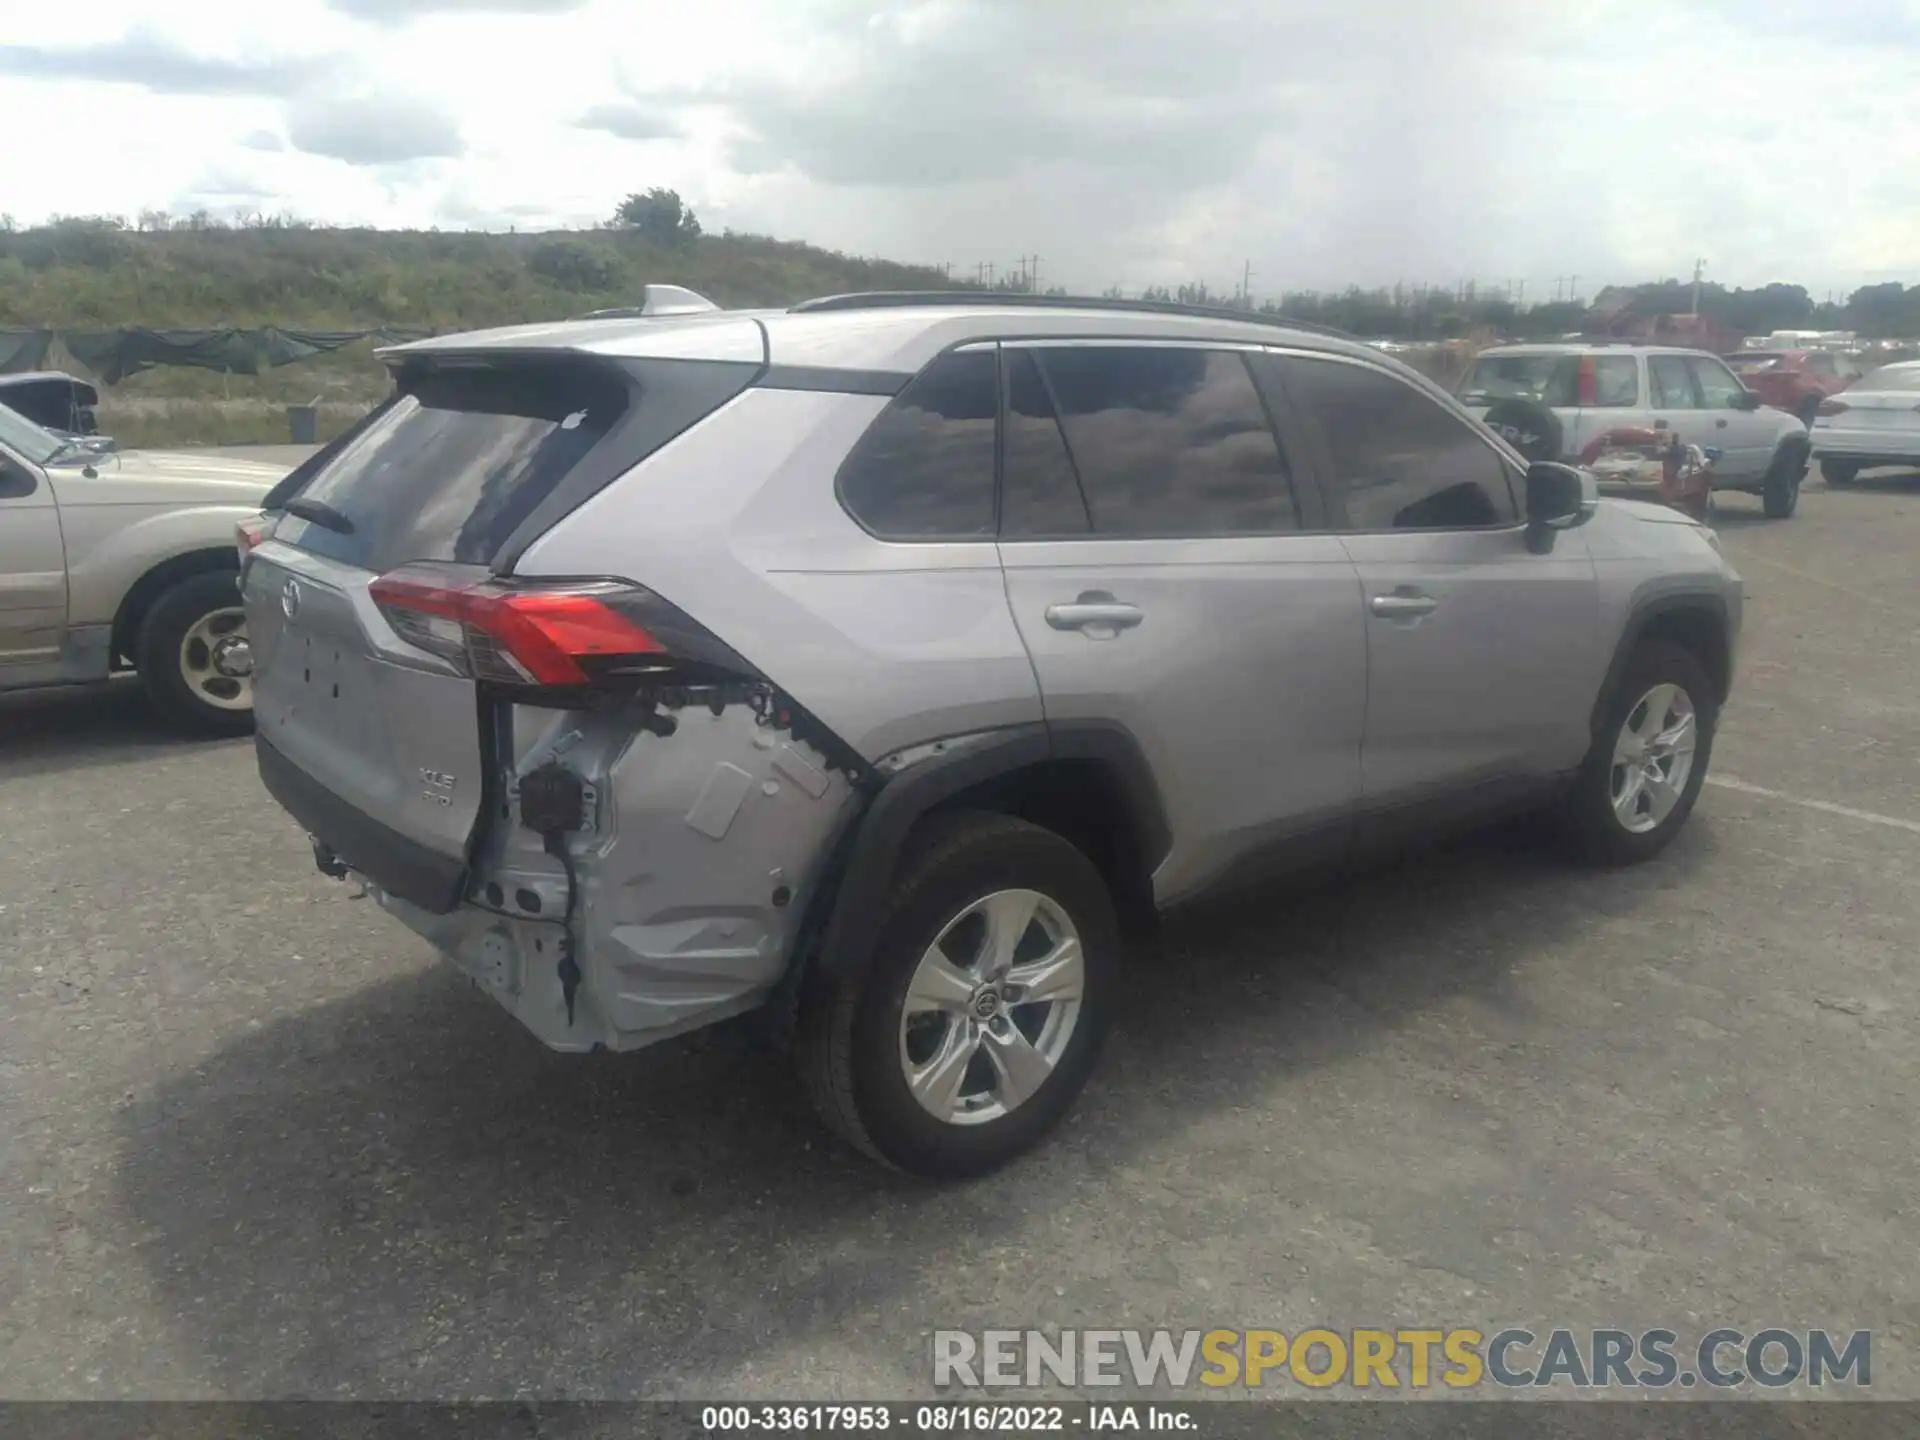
(1123, 141)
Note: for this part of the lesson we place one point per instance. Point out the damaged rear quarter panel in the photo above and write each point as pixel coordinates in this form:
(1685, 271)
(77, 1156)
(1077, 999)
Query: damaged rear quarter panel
(694, 872)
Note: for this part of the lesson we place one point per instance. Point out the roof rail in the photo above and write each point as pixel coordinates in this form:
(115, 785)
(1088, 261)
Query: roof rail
(995, 299)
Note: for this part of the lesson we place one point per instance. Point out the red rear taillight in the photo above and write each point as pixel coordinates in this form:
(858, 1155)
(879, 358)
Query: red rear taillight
(250, 532)
(1832, 407)
(516, 635)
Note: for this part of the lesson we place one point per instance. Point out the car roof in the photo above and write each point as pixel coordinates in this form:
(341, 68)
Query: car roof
(880, 333)
(1591, 347)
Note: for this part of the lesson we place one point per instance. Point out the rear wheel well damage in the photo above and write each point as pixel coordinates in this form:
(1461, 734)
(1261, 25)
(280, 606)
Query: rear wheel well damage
(1084, 803)
(1091, 787)
(156, 582)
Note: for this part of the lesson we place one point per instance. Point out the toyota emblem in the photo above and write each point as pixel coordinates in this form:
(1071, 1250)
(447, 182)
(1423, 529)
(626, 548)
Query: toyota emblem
(290, 599)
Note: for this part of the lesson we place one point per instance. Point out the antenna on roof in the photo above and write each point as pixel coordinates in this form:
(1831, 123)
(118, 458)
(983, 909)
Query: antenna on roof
(658, 300)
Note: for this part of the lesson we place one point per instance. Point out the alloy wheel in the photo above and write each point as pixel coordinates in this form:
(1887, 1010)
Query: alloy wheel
(992, 1007)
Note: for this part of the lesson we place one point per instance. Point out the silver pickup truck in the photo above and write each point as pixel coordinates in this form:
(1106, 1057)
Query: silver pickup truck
(117, 561)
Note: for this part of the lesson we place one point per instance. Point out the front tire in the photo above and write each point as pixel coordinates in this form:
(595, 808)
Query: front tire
(982, 1012)
(1780, 490)
(1839, 472)
(1649, 758)
(192, 656)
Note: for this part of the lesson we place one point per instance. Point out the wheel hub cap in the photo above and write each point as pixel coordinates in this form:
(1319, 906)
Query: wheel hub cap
(233, 657)
(216, 660)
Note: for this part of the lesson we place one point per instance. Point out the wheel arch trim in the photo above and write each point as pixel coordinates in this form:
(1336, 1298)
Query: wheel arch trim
(846, 909)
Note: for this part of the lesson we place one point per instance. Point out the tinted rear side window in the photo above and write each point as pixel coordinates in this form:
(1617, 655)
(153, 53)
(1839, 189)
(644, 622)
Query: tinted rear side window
(924, 469)
(1040, 494)
(1401, 461)
(458, 462)
(1170, 441)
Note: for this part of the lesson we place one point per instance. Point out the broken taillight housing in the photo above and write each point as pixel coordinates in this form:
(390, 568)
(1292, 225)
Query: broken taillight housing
(562, 634)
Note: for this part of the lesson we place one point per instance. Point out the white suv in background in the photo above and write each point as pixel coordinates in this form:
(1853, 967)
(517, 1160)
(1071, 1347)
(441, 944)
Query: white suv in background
(1557, 400)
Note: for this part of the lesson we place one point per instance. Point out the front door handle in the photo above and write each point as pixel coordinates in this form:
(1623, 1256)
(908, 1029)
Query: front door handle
(1401, 606)
(1719, 424)
(1094, 613)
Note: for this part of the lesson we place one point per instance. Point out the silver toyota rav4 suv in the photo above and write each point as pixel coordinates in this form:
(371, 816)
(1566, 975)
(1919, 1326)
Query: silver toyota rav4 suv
(878, 663)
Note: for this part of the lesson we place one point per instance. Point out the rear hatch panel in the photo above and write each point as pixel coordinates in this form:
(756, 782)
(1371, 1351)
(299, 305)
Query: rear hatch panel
(376, 745)
(391, 735)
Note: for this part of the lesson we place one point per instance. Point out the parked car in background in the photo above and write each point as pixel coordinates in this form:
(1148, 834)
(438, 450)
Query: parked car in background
(873, 662)
(1877, 422)
(1794, 380)
(1556, 399)
(55, 401)
(126, 560)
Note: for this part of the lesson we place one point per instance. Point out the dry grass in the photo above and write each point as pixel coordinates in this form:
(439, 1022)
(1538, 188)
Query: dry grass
(165, 424)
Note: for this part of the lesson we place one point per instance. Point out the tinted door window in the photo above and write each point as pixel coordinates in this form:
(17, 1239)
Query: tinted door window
(1670, 383)
(1039, 492)
(1400, 460)
(1719, 389)
(1170, 441)
(924, 469)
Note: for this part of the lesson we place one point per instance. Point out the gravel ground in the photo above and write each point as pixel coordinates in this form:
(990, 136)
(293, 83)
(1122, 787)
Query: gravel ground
(256, 1142)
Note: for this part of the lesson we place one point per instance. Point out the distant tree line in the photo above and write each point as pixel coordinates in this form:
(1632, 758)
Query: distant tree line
(197, 270)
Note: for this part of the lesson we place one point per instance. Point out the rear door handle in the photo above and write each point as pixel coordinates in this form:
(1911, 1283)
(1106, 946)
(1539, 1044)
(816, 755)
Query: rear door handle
(1719, 424)
(1402, 606)
(1088, 614)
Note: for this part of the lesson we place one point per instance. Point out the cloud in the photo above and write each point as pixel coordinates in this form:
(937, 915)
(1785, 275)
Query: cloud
(148, 59)
(631, 121)
(398, 12)
(367, 129)
(262, 140)
(947, 94)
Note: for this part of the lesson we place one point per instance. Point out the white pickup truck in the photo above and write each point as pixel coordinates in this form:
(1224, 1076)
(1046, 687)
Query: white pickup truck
(114, 561)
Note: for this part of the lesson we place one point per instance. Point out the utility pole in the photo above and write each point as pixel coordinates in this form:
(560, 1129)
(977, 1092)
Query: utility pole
(1246, 284)
(1521, 302)
(1033, 274)
(991, 268)
(1698, 266)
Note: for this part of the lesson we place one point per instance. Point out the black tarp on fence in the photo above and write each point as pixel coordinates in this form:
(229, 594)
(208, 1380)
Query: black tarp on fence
(113, 355)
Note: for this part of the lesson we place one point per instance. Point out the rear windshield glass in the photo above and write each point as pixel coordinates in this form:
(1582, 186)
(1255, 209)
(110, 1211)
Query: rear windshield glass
(459, 461)
(1550, 379)
(1894, 377)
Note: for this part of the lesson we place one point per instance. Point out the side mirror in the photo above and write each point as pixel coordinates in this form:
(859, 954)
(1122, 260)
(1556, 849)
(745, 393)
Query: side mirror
(1748, 401)
(1559, 497)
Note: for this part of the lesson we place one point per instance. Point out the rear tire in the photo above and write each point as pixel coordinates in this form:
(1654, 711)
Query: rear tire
(871, 1048)
(1839, 472)
(1616, 813)
(191, 654)
(1780, 490)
